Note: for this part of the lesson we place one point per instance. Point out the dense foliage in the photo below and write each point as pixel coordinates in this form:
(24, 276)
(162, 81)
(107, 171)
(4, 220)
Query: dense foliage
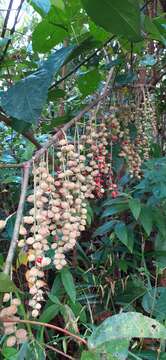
(82, 179)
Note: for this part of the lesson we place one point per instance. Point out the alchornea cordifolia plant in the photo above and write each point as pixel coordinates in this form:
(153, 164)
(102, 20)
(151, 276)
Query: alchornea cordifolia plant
(81, 170)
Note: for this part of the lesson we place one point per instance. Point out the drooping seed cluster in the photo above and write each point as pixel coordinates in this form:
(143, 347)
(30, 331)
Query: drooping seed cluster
(82, 170)
(14, 335)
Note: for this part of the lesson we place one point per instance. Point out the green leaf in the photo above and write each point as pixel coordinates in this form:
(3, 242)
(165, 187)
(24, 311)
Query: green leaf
(88, 82)
(126, 325)
(114, 209)
(116, 16)
(59, 120)
(6, 284)
(49, 313)
(152, 29)
(41, 6)
(10, 353)
(68, 283)
(146, 219)
(88, 355)
(135, 207)
(105, 228)
(4, 41)
(50, 31)
(153, 303)
(25, 99)
(114, 350)
(55, 94)
(122, 234)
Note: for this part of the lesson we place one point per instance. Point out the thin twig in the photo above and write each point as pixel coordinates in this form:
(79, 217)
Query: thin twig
(12, 30)
(13, 244)
(54, 327)
(11, 166)
(6, 18)
(28, 134)
(59, 352)
(86, 60)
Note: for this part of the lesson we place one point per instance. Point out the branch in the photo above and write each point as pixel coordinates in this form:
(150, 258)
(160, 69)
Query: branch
(27, 134)
(6, 19)
(58, 351)
(87, 59)
(13, 28)
(20, 209)
(10, 166)
(54, 327)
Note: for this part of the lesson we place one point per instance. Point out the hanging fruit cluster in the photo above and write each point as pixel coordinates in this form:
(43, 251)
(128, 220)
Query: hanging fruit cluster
(14, 335)
(81, 170)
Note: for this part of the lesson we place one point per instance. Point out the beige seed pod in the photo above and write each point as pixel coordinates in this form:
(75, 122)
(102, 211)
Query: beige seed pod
(46, 261)
(54, 246)
(38, 306)
(66, 215)
(44, 231)
(2, 224)
(40, 274)
(62, 142)
(46, 247)
(31, 257)
(39, 204)
(37, 246)
(50, 214)
(40, 284)
(30, 198)
(64, 205)
(61, 176)
(32, 303)
(44, 186)
(11, 341)
(35, 313)
(33, 290)
(30, 240)
(57, 217)
(44, 199)
(81, 228)
(16, 302)
(21, 243)
(38, 193)
(6, 297)
(58, 266)
(33, 271)
(22, 230)
(11, 310)
(21, 334)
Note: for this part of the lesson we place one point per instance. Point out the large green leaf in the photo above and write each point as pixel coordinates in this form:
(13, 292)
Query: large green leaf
(154, 30)
(116, 16)
(126, 325)
(122, 234)
(49, 313)
(68, 283)
(105, 228)
(25, 99)
(135, 207)
(113, 350)
(146, 219)
(153, 303)
(50, 31)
